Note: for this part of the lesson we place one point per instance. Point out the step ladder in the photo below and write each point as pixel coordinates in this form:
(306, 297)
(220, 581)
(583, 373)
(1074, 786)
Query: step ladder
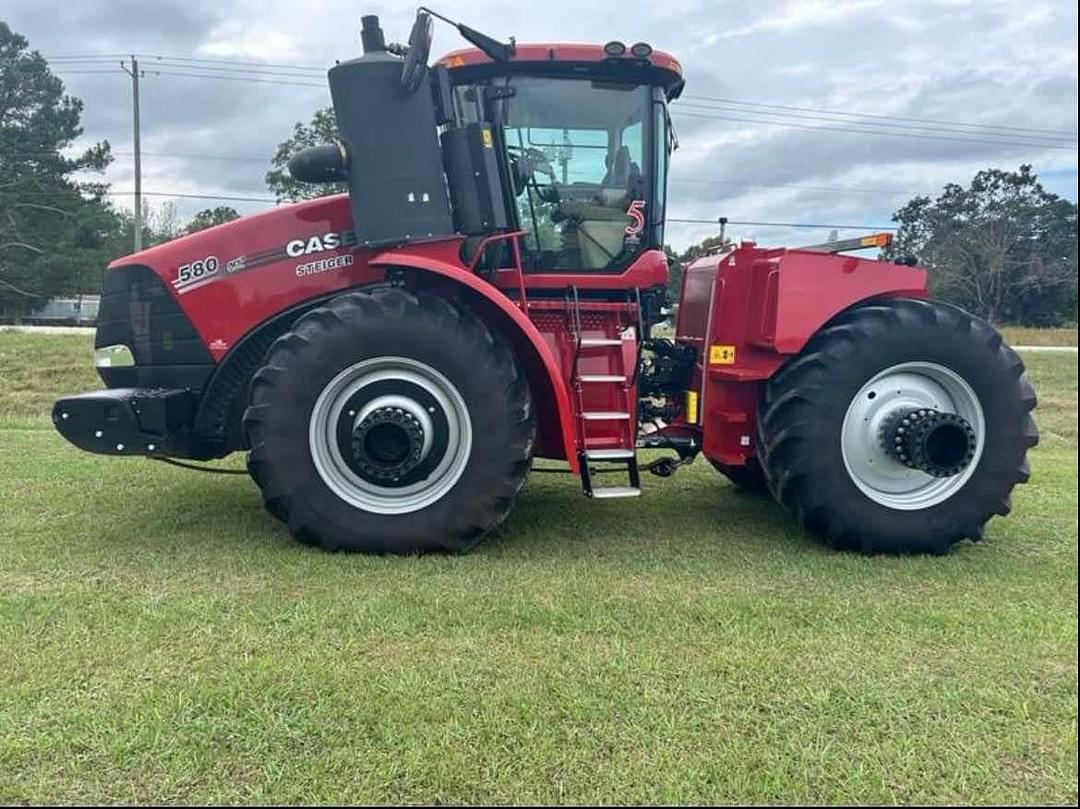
(595, 425)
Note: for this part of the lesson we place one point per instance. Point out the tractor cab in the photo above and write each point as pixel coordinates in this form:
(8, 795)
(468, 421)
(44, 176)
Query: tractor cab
(567, 144)
(582, 138)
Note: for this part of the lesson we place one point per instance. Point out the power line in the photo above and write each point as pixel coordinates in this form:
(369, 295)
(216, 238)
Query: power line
(1056, 139)
(110, 57)
(243, 71)
(82, 71)
(679, 220)
(830, 189)
(839, 189)
(871, 132)
(179, 196)
(150, 154)
(112, 193)
(231, 62)
(921, 128)
(882, 117)
(715, 223)
(235, 78)
(81, 56)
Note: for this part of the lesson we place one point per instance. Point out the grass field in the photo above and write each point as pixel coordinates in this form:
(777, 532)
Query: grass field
(1021, 336)
(162, 639)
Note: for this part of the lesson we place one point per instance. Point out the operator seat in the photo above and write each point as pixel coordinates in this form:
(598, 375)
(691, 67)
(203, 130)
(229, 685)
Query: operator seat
(618, 168)
(601, 224)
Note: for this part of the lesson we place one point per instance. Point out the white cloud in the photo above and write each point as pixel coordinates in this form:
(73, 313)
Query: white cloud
(242, 40)
(802, 14)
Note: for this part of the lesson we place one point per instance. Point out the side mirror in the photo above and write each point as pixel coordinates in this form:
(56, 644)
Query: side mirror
(416, 60)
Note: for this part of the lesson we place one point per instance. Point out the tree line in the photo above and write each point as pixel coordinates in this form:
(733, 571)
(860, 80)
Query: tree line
(58, 227)
(1002, 246)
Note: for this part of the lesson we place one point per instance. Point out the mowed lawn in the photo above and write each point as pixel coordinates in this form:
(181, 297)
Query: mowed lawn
(162, 639)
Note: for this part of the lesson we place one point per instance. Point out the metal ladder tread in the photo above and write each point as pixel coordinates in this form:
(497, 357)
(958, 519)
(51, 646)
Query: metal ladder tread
(604, 415)
(616, 491)
(592, 342)
(609, 454)
(601, 377)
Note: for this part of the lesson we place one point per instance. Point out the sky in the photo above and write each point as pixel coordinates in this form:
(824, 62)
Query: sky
(1007, 64)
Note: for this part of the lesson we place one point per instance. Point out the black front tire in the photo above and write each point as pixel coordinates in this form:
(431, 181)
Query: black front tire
(389, 323)
(801, 417)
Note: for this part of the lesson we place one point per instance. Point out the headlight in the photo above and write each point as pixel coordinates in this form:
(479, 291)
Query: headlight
(117, 356)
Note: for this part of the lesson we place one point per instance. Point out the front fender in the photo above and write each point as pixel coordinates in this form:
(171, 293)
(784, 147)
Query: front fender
(812, 288)
(551, 397)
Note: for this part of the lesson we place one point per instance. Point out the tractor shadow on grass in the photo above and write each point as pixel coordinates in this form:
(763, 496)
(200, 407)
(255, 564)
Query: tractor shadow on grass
(695, 514)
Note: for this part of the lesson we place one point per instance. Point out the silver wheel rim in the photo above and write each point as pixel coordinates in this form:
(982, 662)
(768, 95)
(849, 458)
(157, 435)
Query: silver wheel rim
(441, 402)
(908, 385)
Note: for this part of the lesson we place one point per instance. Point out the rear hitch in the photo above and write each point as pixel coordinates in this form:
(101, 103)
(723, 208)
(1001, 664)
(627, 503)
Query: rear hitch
(664, 467)
(668, 466)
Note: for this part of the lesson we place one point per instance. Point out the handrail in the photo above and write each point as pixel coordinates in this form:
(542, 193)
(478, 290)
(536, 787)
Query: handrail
(513, 235)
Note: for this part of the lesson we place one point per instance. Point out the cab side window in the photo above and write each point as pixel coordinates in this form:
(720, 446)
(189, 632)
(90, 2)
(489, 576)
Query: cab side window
(576, 151)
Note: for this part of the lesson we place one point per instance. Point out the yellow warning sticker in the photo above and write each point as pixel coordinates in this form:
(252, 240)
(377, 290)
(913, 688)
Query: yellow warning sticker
(721, 355)
(486, 135)
(691, 406)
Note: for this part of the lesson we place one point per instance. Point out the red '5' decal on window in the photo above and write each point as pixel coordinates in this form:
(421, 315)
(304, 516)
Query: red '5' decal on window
(636, 212)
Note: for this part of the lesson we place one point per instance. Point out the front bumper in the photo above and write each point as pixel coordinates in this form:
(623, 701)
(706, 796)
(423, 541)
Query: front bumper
(129, 421)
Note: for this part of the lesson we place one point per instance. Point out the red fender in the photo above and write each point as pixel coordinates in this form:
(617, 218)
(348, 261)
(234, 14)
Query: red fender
(815, 287)
(541, 366)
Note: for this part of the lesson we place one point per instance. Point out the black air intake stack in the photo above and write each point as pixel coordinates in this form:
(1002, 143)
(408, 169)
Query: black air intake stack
(371, 34)
(393, 168)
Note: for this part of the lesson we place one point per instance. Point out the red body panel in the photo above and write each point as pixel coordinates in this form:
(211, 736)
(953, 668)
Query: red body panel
(231, 303)
(749, 309)
(268, 263)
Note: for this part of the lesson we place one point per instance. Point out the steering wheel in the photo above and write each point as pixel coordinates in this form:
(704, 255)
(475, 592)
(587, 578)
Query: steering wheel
(527, 162)
(415, 66)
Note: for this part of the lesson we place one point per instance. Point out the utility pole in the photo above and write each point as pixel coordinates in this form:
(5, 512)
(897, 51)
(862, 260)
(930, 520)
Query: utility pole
(134, 73)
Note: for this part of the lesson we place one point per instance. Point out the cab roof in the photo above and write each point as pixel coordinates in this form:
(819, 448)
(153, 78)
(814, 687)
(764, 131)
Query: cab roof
(664, 66)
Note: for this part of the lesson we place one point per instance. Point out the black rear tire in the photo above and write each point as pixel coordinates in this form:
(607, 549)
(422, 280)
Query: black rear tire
(801, 416)
(388, 326)
(749, 477)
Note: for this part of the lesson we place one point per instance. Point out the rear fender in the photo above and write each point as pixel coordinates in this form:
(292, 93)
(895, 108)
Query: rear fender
(551, 398)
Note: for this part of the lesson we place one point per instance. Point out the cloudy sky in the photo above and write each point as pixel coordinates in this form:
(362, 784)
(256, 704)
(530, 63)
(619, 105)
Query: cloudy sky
(1006, 64)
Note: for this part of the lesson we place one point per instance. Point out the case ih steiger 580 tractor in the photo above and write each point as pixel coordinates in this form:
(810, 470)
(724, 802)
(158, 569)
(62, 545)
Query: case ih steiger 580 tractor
(392, 359)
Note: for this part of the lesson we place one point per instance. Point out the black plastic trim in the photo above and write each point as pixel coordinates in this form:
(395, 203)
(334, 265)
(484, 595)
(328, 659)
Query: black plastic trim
(138, 310)
(130, 421)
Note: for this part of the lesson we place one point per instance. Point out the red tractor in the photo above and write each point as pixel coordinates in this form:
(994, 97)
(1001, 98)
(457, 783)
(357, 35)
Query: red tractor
(394, 358)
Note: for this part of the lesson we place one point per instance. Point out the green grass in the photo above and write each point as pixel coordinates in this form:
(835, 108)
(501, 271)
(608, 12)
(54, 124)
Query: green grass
(164, 640)
(1022, 336)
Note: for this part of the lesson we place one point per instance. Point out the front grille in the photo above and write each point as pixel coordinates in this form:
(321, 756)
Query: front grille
(138, 310)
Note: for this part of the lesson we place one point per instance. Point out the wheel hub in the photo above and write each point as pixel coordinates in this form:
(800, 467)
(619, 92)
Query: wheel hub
(939, 444)
(387, 444)
(941, 448)
(390, 435)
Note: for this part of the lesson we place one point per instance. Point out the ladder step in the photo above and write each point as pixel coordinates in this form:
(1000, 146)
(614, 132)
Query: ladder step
(601, 377)
(610, 454)
(604, 415)
(616, 491)
(590, 342)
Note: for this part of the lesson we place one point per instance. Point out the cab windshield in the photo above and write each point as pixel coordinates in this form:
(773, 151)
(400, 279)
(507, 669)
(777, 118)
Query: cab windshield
(585, 160)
